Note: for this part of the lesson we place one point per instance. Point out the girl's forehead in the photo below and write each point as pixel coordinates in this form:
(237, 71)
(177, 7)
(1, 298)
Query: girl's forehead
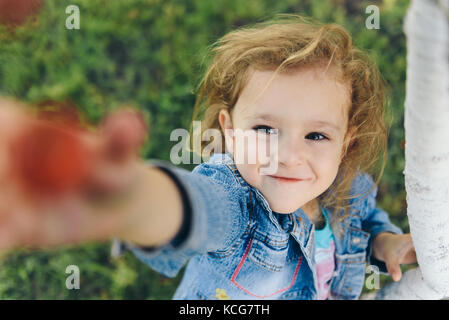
(313, 92)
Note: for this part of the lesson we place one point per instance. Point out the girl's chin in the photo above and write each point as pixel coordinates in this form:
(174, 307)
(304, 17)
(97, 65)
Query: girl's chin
(281, 202)
(285, 208)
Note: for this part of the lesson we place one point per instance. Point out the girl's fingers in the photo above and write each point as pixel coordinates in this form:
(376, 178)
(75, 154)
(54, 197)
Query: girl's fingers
(394, 270)
(403, 254)
(409, 256)
(125, 131)
(406, 252)
(122, 134)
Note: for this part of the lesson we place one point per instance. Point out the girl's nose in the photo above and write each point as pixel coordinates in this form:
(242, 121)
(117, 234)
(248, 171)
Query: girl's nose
(292, 151)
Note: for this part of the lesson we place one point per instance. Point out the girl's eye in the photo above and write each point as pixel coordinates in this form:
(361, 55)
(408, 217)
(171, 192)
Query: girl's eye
(316, 136)
(265, 129)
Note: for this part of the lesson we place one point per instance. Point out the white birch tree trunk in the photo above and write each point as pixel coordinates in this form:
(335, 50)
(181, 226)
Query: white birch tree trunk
(427, 151)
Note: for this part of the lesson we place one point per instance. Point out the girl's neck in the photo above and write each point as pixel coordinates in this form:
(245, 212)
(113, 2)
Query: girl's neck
(313, 211)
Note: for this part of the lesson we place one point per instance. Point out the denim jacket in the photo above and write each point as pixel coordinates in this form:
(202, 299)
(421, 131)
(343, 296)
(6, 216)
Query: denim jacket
(236, 247)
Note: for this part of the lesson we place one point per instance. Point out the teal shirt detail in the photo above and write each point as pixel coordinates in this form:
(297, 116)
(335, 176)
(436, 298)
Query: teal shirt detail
(323, 237)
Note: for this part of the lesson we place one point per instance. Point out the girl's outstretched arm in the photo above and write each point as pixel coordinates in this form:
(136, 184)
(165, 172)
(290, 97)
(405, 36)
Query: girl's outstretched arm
(153, 212)
(217, 211)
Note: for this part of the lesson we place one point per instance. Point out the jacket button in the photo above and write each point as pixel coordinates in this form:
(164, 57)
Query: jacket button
(356, 240)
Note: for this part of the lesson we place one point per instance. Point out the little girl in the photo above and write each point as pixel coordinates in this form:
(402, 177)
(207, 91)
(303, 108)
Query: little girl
(304, 231)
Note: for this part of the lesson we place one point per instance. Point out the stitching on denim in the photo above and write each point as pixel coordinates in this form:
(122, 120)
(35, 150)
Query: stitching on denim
(352, 260)
(251, 206)
(232, 249)
(295, 224)
(361, 231)
(228, 252)
(236, 174)
(263, 263)
(270, 241)
(361, 260)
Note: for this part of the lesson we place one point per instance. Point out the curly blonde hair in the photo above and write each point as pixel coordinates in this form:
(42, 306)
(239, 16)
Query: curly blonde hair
(289, 42)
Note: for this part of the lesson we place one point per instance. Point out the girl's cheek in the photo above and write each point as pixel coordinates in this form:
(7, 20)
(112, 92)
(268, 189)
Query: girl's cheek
(327, 158)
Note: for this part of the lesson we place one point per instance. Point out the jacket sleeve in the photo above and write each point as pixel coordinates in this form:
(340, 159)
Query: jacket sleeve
(374, 219)
(213, 217)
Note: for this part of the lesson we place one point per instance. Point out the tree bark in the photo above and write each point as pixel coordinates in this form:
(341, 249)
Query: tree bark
(426, 151)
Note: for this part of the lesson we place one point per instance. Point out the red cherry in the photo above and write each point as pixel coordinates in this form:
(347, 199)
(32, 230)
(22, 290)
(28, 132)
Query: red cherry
(16, 12)
(50, 159)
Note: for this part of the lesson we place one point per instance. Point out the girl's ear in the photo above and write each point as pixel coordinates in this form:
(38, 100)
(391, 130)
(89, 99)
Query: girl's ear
(348, 140)
(225, 120)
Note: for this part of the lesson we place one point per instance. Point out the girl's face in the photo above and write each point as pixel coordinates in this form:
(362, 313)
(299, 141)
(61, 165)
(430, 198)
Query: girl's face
(309, 110)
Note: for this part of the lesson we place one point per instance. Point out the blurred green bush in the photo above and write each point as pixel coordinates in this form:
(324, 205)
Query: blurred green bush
(149, 53)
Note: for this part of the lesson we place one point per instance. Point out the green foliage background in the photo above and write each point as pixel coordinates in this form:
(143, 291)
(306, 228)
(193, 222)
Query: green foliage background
(149, 53)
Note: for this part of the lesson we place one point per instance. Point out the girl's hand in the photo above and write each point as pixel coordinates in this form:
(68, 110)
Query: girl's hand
(80, 210)
(394, 250)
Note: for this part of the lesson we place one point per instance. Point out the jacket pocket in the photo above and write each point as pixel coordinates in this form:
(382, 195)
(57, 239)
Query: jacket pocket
(265, 271)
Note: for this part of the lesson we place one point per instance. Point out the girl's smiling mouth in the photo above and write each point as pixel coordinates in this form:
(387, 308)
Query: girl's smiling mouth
(287, 179)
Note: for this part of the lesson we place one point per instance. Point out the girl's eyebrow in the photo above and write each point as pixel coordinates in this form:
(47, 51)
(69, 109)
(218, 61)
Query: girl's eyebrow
(331, 125)
(263, 116)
